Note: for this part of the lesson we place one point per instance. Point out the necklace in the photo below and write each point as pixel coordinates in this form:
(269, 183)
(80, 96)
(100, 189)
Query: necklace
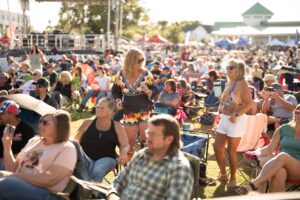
(100, 134)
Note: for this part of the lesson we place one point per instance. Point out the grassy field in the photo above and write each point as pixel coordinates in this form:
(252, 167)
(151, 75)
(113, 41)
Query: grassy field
(217, 190)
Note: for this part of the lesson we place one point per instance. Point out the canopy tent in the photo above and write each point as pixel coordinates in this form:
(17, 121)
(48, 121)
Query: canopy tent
(224, 43)
(290, 43)
(275, 42)
(241, 42)
(157, 39)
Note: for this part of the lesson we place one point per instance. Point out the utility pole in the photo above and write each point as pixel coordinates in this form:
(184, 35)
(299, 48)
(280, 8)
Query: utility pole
(108, 23)
(117, 8)
(24, 6)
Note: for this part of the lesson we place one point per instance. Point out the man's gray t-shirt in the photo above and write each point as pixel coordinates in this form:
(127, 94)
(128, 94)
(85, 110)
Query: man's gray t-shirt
(279, 111)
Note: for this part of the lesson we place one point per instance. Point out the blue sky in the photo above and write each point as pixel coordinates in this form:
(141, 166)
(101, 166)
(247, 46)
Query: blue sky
(207, 11)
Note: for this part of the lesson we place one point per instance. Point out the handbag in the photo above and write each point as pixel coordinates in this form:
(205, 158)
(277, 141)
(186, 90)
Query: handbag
(207, 119)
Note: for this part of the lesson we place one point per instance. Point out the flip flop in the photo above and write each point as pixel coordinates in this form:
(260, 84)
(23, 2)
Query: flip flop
(246, 189)
(222, 178)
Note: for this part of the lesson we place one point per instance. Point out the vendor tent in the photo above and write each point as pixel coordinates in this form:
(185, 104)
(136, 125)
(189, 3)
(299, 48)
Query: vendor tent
(275, 42)
(157, 39)
(224, 43)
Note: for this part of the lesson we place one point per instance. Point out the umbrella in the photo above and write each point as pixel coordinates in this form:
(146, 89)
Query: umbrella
(157, 39)
(30, 103)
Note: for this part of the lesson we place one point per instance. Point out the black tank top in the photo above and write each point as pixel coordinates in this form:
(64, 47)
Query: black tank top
(65, 90)
(98, 144)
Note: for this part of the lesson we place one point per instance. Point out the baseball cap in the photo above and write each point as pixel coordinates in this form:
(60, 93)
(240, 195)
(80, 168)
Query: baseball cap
(276, 86)
(42, 82)
(10, 107)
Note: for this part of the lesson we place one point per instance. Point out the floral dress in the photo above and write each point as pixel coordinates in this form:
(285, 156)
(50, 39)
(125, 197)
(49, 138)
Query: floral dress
(137, 105)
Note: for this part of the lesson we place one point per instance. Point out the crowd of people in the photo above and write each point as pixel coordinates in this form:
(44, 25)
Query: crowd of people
(131, 90)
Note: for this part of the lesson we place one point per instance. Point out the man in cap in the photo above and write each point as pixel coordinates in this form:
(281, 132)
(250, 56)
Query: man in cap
(9, 115)
(42, 93)
(281, 105)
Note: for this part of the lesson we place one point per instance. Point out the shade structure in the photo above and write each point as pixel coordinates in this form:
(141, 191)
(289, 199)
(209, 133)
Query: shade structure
(224, 43)
(275, 42)
(157, 39)
(30, 103)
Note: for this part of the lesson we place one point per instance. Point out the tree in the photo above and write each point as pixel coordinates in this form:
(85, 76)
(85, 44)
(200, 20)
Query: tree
(87, 18)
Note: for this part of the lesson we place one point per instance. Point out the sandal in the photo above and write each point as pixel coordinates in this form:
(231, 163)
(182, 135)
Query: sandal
(231, 184)
(243, 190)
(222, 178)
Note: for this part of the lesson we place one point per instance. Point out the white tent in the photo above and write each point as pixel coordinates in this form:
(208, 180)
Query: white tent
(276, 42)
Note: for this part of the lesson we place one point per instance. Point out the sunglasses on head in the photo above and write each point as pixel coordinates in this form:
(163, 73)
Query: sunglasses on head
(140, 61)
(231, 67)
(44, 122)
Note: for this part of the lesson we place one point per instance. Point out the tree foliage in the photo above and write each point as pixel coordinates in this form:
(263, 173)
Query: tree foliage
(92, 18)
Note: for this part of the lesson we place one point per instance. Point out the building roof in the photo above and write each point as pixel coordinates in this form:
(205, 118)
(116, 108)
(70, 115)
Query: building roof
(257, 9)
(192, 27)
(250, 31)
(219, 25)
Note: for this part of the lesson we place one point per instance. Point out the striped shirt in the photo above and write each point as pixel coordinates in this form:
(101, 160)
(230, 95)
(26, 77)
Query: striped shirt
(169, 178)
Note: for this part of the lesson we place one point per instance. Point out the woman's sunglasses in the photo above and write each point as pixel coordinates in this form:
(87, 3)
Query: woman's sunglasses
(140, 61)
(231, 67)
(44, 122)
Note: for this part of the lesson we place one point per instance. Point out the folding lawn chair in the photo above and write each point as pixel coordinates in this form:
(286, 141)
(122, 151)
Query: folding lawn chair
(254, 138)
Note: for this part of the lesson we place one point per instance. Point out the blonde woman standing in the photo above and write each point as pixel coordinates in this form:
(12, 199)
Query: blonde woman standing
(135, 88)
(235, 102)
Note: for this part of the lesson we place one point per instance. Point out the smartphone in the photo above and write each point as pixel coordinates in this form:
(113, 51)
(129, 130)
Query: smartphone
(217, 88)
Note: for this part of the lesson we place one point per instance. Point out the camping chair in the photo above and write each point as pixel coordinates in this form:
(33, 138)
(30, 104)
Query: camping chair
(195, 165)
(196, 145)
(254, 138)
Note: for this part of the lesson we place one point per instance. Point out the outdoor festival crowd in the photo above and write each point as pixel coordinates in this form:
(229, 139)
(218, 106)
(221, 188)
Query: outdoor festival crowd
(149, 95)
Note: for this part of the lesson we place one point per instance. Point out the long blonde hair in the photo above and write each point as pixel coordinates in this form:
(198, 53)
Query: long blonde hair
(131, 60)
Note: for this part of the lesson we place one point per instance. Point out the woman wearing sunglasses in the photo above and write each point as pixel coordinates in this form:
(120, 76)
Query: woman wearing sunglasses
(44, 165)
(99, 138)
(285, 165)
(135, 88)
(234, 103)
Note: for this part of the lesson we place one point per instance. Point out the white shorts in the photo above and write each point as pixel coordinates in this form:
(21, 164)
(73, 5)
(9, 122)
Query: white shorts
(232, 130)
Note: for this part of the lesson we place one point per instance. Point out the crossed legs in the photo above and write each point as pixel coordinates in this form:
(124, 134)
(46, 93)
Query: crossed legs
(279, 169)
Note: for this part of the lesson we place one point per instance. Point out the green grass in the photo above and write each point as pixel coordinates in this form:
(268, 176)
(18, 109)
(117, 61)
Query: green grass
(218, 190)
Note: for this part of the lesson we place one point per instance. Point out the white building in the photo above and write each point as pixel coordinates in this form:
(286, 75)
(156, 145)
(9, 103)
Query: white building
(16, 21)
(197, 32)
(257, 27)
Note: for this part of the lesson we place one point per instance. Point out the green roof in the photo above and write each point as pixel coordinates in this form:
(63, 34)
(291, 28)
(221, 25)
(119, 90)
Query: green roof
(257, 9)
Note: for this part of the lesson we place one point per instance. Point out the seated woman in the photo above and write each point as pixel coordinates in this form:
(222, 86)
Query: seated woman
(254, 104)
(64, 90)
(187, 93)
(212, 98)
(99, 138)
(285, 165)
(99, 88)
(44, 165)
(169, 98)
